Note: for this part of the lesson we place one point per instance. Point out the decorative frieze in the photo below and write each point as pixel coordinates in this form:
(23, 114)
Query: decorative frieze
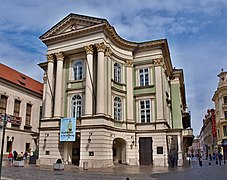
(89, 49)
(50, 57)
(59, 56)
(101, 47)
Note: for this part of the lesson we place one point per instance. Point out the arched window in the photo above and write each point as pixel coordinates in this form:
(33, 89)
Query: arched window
(76, 106)
(117, 109)
(78, 70)
(117, 72)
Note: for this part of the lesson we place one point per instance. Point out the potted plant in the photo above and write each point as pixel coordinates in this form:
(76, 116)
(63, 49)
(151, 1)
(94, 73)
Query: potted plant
(18, 162)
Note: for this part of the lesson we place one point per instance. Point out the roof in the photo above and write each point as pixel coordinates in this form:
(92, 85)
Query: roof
(20, 79)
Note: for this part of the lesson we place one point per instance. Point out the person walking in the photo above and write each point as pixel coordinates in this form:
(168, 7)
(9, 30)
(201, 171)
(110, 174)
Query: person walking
(200, 160)
(220, 158)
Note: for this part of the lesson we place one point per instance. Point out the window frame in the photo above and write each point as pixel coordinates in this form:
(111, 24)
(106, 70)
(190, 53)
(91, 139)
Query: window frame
(16, 111)
(225, 99)
(143, 76)
(78, 71)
(28, 115)
(3, 103)
(77, 104)
(225, 114)
(117, 72)
(118, 108)
(224, 130)
(145, 109)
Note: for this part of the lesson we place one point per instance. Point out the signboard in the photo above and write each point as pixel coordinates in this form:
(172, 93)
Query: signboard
(68, 129)
(213, 123)
(14, 120)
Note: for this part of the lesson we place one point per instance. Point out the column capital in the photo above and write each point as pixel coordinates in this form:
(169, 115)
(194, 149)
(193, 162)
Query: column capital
(129, 63)
(59, 56)
(50, 57)
(100, 47)
(108, 52)
(89, 49)
(158, 62)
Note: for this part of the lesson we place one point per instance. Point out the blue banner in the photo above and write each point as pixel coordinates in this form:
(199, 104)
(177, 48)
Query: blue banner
(68, 129)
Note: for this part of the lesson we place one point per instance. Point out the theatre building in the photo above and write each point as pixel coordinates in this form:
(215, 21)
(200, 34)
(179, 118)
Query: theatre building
(125, 99)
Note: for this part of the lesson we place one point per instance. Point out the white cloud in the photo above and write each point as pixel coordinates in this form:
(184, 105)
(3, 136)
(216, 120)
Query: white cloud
(192, 27)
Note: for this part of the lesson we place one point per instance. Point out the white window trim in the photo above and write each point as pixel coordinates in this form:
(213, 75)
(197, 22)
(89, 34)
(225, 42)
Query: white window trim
(151, 111)
(71, 105)
(121, 115)
(119, 80)
(138, 75)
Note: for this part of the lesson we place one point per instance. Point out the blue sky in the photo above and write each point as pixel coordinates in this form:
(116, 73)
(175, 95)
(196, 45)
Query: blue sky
(196, 31)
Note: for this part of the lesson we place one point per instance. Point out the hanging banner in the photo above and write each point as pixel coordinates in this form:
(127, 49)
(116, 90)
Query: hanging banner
(68, 129)
(213, 123)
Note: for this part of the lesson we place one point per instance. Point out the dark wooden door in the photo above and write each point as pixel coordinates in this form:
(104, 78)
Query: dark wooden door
(145, 151)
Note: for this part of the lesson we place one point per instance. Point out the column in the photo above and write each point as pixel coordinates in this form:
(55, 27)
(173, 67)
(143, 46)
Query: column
(159, 88)
(108, 55)
(100, 79)
(180, 157)
(58, 87)
(89, 80)
(49, 87)
(44, 92)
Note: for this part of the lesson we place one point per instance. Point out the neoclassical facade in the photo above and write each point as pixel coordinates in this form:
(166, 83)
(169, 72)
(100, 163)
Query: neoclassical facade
(220, 100)
(128, 100)
(21, 100)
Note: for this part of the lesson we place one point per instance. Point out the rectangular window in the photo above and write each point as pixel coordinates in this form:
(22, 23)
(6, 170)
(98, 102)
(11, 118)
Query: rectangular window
(225, 114)
(3, 103)
(28, 115)
(145, 111)
(225, 99)
(225, 130)
(144, 77)
(16, 108)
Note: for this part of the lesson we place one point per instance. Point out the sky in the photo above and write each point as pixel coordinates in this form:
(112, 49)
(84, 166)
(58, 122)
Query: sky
(196, 31)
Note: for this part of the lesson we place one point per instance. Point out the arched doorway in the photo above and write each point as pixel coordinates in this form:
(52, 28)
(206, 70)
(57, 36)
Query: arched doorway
(119, 151)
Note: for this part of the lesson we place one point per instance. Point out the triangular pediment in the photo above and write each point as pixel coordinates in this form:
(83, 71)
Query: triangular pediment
(72, 23)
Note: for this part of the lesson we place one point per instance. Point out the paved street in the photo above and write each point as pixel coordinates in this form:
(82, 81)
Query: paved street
(121, 172)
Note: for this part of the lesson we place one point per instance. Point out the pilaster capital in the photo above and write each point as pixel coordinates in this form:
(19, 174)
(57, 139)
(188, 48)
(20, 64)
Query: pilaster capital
(59, 56)
(158, 62)
(108, 52)
(129, 63)
(100, 47)
(50, 58)
(89, 49)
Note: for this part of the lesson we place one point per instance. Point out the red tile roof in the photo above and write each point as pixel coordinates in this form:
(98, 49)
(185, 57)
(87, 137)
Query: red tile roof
(20, 79)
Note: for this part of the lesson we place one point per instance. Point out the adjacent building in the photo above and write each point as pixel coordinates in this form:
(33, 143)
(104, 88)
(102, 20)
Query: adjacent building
(208, 136)
(220, 100)
(126, 99)
(20, 100)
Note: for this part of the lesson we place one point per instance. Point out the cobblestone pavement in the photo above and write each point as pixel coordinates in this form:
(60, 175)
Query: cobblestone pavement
(120, 172)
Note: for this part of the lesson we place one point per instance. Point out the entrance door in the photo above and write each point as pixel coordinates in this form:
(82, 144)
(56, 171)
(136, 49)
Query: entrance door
(76, 151)
(145, 151)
